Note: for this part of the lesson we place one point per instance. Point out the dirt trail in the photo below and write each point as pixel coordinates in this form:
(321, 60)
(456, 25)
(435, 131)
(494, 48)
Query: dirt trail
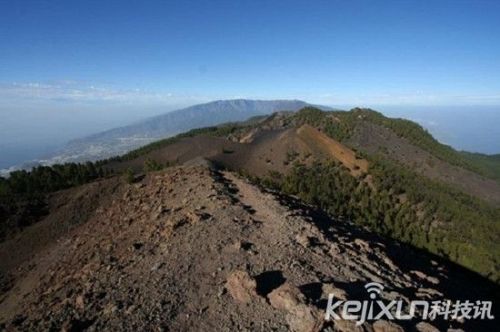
(195, 249)
(264, 207)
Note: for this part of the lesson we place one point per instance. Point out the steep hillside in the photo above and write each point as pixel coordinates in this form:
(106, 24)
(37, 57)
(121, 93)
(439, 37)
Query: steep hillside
(346, 156)
(194, 248)
(407, 143)
(375, 139)
(399, 189)
(490, 164)
(253, 149)
(121, 140)
(308, 182)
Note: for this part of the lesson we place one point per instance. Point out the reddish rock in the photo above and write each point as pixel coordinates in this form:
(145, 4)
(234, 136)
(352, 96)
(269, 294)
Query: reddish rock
(241, 286)
(301, 317)
(385, 326)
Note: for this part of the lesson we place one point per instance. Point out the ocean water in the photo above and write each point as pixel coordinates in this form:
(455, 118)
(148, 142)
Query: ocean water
(30, 133)
(469, 128)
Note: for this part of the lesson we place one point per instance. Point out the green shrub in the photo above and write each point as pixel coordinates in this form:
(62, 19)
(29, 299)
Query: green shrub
(151, 165)
(129, 176)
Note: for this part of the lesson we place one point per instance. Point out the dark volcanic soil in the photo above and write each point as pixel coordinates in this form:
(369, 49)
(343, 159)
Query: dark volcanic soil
(195, 249)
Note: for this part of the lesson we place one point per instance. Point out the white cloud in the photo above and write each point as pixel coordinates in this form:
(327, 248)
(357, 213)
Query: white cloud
(76, 92)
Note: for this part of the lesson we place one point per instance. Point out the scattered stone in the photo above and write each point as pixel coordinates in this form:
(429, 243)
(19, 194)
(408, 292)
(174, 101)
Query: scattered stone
(386, 326)
(303, 240)
(124, 268)
(330, 288)
(241, 286)
(157, 266)
(426, 327)
(423, 276)
(80, 302)
(334, 250)
(362, 244)
(301, 317)
(347, 326)
(419, 274)
(433, 280)
(286, 297)
(394, 296)
(110, 309)
(389, 263)
(429, 293)
(195, 217)
(305, 319)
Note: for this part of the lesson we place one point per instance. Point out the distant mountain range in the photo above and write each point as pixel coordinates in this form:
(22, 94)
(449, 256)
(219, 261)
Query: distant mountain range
(123, 139)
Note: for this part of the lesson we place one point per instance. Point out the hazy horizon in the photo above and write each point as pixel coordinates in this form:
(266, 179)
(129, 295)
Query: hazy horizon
(469, 128)
(70, 69)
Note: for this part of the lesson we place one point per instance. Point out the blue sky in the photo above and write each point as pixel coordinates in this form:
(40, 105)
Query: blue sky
(182, 52)
(72, 68)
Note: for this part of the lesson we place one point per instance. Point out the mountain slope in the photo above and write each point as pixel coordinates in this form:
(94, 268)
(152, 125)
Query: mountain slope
(120, 140)
(194, 248)
(360, 170)
(490, 164)
(386, 174)
(141, 249)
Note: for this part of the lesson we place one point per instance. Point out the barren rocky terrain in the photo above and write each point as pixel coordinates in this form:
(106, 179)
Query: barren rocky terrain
(193, 248)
